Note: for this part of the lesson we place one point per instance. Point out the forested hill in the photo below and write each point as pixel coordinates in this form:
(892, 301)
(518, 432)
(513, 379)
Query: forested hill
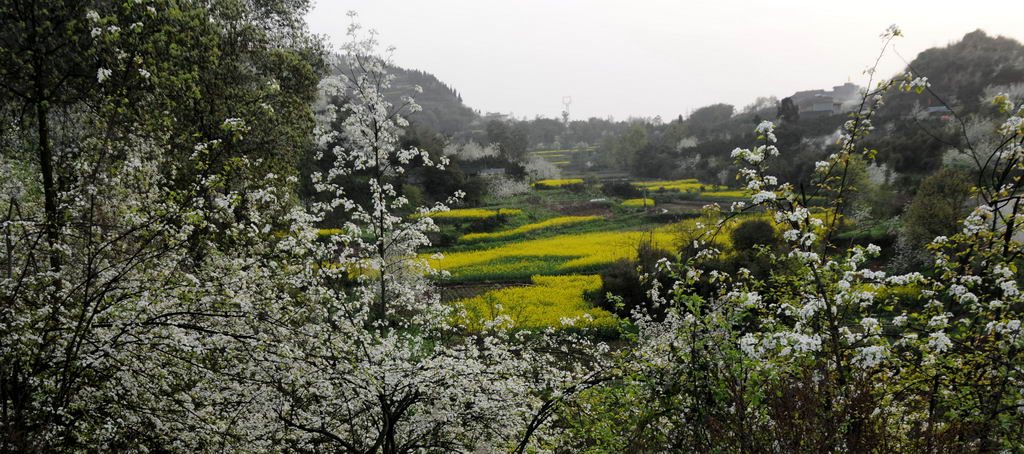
(443, 110)
(960, 73)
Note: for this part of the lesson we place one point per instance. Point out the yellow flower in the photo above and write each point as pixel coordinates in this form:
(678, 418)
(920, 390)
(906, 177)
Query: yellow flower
(554, 255)
(528, 228)
(557, 183)
(633, 203)
(735, 194)
(552, 301)
(471, 213)
(687, 185)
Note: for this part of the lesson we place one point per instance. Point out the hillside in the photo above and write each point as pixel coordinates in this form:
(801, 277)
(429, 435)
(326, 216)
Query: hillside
(960, 72)
(443, 110)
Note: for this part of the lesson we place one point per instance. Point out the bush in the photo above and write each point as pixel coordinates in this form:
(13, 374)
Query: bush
(576, 187)
(753, 232)
(624, 279)
(490, 223)
(621, 189)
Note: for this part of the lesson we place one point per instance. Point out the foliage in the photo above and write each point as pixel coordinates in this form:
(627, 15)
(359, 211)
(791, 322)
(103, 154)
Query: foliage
(960, 72)
(788, 112)
(147, 160)
(938, 206)
(704, 120)
(751, 233)
(442, 107)
(542, 168)
(163, 289)
(621, 189)
(374, 362)
(512, 139)
(627, 282)
(501, 187)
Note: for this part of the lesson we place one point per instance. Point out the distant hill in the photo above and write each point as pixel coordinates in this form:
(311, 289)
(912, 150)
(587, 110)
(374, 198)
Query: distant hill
(443, 110)
(960, 73)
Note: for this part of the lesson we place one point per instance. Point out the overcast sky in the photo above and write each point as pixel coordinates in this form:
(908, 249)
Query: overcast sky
(647, 57)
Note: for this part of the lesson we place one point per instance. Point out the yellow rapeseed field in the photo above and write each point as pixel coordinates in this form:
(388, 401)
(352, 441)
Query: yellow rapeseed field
(686, 185)
(554, 152)
(733, 194)
(634, 203)
(527, 228)
(555, 255)
(553, 301)
(557, 183)
(472, 213)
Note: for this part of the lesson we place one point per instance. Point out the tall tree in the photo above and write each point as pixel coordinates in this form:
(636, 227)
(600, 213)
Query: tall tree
(382, 365)
(133, 183)
(938, 207)
(788, 111)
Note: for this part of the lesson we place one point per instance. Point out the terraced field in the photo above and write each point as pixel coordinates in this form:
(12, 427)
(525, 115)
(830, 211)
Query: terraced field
(524, 229)
(552, 301)
(560, 254)
(685, 185)
(557, 183)
(472, 213)
(534, 260)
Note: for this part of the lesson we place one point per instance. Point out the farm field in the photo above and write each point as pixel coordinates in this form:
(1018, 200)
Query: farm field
(685, 185)
(471, 213)
(637, 203)
(563, 158)
(561, 254)
(552, 301)
(524, 229)
(538, 254)
(557, 183)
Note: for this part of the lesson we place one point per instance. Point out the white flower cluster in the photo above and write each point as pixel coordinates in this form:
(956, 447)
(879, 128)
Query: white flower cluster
(103, 74)
(911, 83)
(870, 356)
(977, 220)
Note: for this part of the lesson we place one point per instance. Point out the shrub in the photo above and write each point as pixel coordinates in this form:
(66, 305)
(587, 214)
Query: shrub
(629, 281)
(753, 232)
(621, 189)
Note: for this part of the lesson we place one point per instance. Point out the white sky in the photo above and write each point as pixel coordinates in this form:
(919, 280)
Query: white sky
(653, 57)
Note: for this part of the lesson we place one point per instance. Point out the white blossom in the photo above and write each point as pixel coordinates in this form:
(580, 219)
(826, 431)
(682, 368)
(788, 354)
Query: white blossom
(102, 74)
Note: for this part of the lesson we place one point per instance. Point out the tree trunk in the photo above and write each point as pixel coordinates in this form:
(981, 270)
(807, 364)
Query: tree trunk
(49, 188)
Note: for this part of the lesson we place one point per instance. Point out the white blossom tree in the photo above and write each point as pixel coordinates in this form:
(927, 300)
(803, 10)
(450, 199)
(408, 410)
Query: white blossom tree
(371, 360)
(133, 234)
(159, 295)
